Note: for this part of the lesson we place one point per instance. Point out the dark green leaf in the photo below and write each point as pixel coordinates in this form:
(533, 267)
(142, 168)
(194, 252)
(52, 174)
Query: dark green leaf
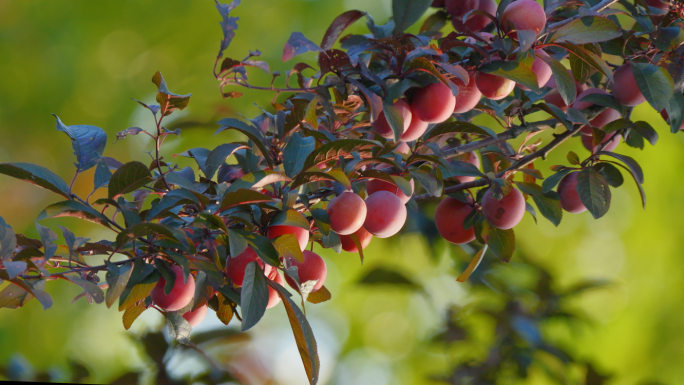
(520, 71)
(586, 56)
(88, 141)
(117, 277)
(386, 276)
(8, 241)
(587, 29)
(430, 183)
(334, 150)
(37, 175)
(14, 268)
(547, 203)
(262, 245)
(92, 289)
(102, 174)
(500, 242)
(143, 230)
(594, 192)
(179, 328)
(675, 112)
(218, 156)
(48, 237)
(647, 131)
(296, 152)
(610, 173)
(631, 163)
(565, 83)
(551, 182)
(254, 296)
(407, 12)
(129, 178)
(251, 132)
(243, 197)
(321, 220)
(290, 218)
(655, 83)
(74, 209)
(456, 127)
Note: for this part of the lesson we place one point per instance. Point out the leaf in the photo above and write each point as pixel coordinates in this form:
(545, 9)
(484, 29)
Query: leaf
(520, 71)
(128, 178)
(225, 311)
(647, 131)
(320, 295)
(456, 127)
(102, 174)
(145, 229)
(338, 25)
(8, 241)
(254, 296)
(302, 333)
(587, 29)
(92, 289)
(675, 112)
(386, 276)
(48, 237)
(551, 182)
(288, 247)
(501, 242)
(261, 245)
(573, 158)
(131, 314)
(321, 220)
(228, 24)
(547, 203)
(633, 166)
(374, 100)
(237, 244)
(394, 119)
(179, 328)
(594, 192)
(14, 268)
(88, 141)
(252, 133)
(218, 156)
(258, 179)
(298, 44)
(610, 173)
(74, 209)
(243, 197)
(168, 101)
(295, 153)
(430, 183)
(407, 12)
(655, 83)
(342, 147)
(37, 175)
(587, 57)
(13, 297)
(290, 218)
(565, 83)
(117, 277)
(474, 263)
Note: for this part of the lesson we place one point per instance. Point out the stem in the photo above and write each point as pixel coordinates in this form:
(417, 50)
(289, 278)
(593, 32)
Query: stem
(73, 180)
(157, 145)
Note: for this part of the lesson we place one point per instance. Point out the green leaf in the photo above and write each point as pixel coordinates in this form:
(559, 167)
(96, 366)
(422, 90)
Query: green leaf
(580, 54)
(341, 147)
(254, 296)
(145, 229)
(633, 166)
(407, 12)
(88, 141)
(302, 333)
(474, 263)
(128, 178)
(394, 119)
(386, 276)
(131, 314)
(168, 101)
(296, 152)
(37, 175)
(573, 158)
(647, 131)
(655, 83)
(237, 244)
(547, 203)
(430, 183)
(565, 83)
(92, 289)
(8, 241)
(520, 71)
(261, 245)
(610, 173)
(218, 156)
(290, 218)
(252, 133)
(117, 277)
(74, 209)
(587, 29)
(594, 192)
(13, 297)
(456, 127)
(179, 328)
(501, 242)
(243, 197)
(551, 182)
(675, 112)
(321, 220)
(48, 238)
(14, 268)
(287, 246)
(320, 295)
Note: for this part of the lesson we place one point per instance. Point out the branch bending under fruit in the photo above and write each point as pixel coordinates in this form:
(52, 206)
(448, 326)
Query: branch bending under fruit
(597, 8)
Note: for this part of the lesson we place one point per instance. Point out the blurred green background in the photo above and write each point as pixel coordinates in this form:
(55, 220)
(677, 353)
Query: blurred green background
(84, 60)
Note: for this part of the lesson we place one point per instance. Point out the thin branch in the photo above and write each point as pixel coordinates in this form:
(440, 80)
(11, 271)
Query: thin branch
(597, 8)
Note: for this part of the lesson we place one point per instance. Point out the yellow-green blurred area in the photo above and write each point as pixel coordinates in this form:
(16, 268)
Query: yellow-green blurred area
(85, 60)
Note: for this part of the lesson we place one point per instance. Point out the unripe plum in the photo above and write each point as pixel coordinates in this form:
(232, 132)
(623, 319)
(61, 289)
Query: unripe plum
(347, 213)
(625, 88)
(313, 268)
(301, 234)
(475, 23)
(433, 103)
(273, 297)
(468, 95)
(181, 294)
(540, 69)
(471, 158)
(494, 87)
(449, 217)
(196, 317)
(382, 127)
(363, 236)
(415, 130)
(569, 198)
(605, 117)
(235, 266)
(587, 141)
(375, 185)
(525, 15)
(665, 116)
(505, 213)
(386, 214)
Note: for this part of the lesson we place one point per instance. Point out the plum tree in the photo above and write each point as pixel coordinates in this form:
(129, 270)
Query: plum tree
(236, 265)
(196, 317)
(540, 69)
(475, 23)
(386, 214)
(605, 117)
(313, 268)
(504, 213)
(468, 95)
(382, 126)
(449, 217)
(347, 213)
(524, 15)
(625, 88)
(375, 185)
(494, 87)
(301, 233)
(180, 295)
(433, 103)
(569, 197)
(363, 236)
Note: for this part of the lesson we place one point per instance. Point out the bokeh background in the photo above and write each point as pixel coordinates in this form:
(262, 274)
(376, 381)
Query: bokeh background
(84, 60)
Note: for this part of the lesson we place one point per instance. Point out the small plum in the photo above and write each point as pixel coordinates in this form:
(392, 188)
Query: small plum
(449, 217)
(433, 103)
(492, 86)
(386, 214)
(525, 15)
(569, 198)
(587, 141)
(181, 294)
(468, 95)
(273, 297)
(382, 127)
(625, 88)
(415, 130)
(471, 158)
(301, 233)
(504, 213)
(475, 23)
(347, 213)
(362, 235)
(554, 97)
(375, 185)
(605, 117)
(313, 268)
(235, 266)
(540, 69)
(196, 317)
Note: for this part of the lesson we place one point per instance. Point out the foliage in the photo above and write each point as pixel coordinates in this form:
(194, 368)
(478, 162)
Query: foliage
(323, 137)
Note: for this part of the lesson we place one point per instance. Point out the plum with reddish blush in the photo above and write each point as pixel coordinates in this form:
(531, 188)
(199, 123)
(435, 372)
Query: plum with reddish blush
(180, 295)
